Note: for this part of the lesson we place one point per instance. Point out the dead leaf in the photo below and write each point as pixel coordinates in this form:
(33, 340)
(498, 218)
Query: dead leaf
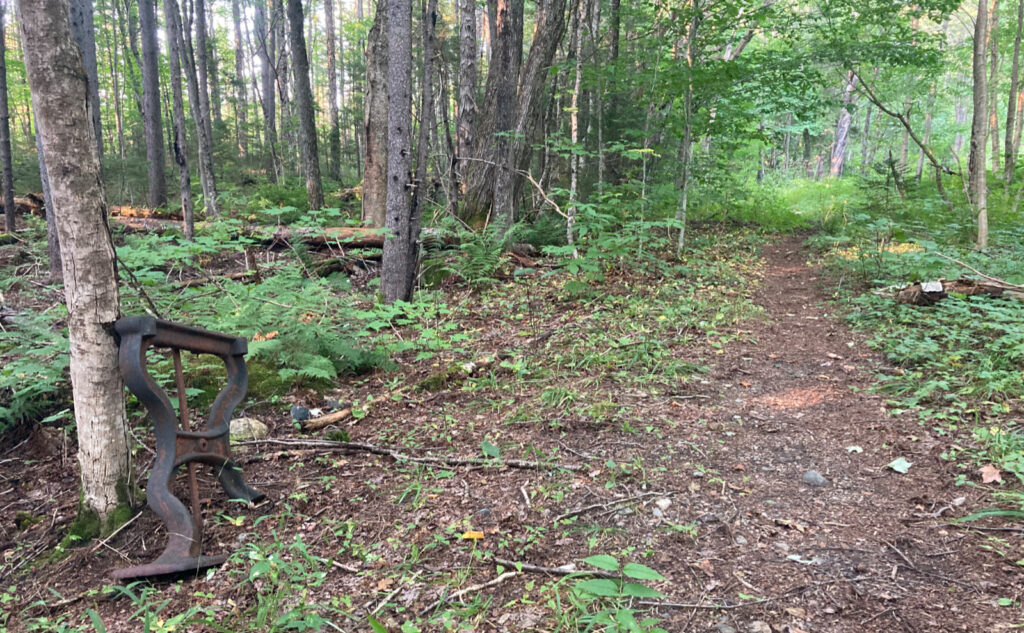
(834, 356)
(740, 467)
(796, 612)
(706, 567)
(385, 583)
(744, 383)
(990, 474)
(473, 535)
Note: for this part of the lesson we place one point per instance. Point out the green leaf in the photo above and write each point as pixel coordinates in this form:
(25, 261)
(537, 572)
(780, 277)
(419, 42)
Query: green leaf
(599, 587)
(376, 625)
(603, 561)
(490, 450)
(900, 465)
(641, 572)
(636, 590)
(97, 623)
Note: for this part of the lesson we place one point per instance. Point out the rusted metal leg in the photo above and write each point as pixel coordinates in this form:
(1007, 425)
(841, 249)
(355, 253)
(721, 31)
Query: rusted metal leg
(184, 446)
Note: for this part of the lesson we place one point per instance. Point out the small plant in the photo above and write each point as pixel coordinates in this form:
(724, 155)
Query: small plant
(606, 604)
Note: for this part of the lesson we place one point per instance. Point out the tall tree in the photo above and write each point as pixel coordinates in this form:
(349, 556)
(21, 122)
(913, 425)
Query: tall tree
(151, 105)
(466, 123)
(976, 164)
(304, 97)
(5, 130)
(399, 253)
(334, 133)
(201, 57)
(200, 108)
(59, 90)
(1012, 106)
(843, 127)
(241, 99)
(375, 121)
(172, 24)
(993, 82)
(428, 10)
(84, 30)
(265, 51)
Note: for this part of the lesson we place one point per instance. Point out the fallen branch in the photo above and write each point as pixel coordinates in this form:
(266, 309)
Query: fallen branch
(605, 506)
(928, 293)
(361, 447)
(564, 570)
(315, 424)
(997, 280)
(468, 590)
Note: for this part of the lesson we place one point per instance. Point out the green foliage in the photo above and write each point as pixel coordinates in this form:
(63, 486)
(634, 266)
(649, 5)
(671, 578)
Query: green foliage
(606, 604)
(480, 254)
(33, 377)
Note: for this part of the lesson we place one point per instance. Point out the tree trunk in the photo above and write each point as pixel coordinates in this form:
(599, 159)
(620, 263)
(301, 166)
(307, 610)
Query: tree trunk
(904, 161)
(399, 253)
(579, 18)
(5, 130)
(865, 164)
(172, 26)
(376, 121)
(267, 100)
(213, 66)
(241, 99)
(993, 83)
(304, 97)
(806, 141)
(84, 31)
(409, 252)
(979, 126)
(842, 128)
(200, 116)
(334, 135)
(466, 124)
(1012, 109)
(927, 133)
(200, 56)
(151, 104)
(60, 97)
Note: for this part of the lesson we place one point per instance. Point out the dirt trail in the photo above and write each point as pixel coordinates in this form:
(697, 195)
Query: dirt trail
(744, 537)
(871, 550)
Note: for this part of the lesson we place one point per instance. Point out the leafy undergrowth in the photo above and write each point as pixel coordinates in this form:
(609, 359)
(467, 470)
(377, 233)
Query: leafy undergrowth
(958, 364)
(584, 348)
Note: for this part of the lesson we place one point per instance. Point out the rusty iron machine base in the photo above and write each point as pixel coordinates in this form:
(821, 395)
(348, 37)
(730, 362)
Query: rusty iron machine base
(181, 445)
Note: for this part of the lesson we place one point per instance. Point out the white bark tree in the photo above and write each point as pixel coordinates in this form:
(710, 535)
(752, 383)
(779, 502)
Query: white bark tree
(59, 90)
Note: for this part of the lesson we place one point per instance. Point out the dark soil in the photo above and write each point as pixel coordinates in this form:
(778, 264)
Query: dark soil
(745, 542)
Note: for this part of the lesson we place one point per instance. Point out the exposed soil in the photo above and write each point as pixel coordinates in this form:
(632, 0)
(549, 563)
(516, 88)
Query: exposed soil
(873, 550)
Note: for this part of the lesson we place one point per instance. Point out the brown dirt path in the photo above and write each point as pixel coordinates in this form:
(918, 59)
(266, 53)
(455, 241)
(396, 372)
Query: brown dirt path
(744, 537)
(870, 551)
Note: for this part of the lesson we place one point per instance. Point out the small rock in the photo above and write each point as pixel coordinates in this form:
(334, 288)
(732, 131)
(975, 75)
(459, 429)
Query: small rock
(698, 474)
(300, 413)
(658, 514)
(483, 516)
(247, 429)
(814, 478)
(781, 546)
(663, 503)
(741, 540)
(725, 628)
(759, 626)
(334, 405)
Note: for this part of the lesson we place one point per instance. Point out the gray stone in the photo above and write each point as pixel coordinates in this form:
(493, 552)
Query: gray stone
(741, 540)
(300, 413)
(814, 478)
(248, 429)
(725, 628)
(663, 503)
(759, 626)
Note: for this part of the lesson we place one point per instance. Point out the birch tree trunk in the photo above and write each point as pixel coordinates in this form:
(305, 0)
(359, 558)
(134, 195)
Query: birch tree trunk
(60, 97)
(574, 120)
(304, 97)
(151, 104)
(842, 128)
(927, 137)
(1012, 108)
(7, 179)
(375, 122)
(334, 135)
(213, 67)
(84, 31)
(904, 161)
(865, 164)
(241, 99)
(976, 164)
(172, 26)
(411, 234)
(200, 58)
(399, 253)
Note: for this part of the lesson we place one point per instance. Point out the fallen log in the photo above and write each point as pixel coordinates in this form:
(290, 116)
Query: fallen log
(930, 292)
(346, 236)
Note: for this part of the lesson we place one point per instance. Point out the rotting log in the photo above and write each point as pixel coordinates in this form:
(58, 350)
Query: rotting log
(347, 236)
(930, 292)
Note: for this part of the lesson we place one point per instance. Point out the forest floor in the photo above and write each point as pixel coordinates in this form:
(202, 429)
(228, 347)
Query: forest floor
(692, 451)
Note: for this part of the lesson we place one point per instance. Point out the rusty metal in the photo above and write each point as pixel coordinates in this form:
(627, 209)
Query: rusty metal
(183, 446)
